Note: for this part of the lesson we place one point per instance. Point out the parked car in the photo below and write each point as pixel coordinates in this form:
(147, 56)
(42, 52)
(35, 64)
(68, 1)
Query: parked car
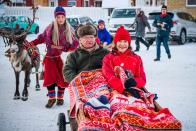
(20, 22)
(3, 20)
(76, 20)
(184, 27)
(122, 16)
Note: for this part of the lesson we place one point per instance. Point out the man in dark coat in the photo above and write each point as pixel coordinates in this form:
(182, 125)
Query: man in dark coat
(141, 22)
(87, 57)
(163, 23)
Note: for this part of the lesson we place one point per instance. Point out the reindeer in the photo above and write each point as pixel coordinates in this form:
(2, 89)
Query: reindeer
(20, 58)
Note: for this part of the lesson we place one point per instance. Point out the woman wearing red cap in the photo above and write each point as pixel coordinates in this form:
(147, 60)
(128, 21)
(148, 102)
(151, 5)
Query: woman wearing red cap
(123, 56)
(58, 37)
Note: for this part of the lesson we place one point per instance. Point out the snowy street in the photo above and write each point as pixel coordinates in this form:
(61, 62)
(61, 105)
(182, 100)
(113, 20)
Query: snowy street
(173, 80)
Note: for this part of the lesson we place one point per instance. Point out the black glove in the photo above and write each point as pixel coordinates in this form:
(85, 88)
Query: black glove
(130, 83)
(129, 73)
(134, 92)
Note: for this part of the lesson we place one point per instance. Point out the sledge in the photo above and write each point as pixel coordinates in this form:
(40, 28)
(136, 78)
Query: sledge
(83, 120)
(64, 120)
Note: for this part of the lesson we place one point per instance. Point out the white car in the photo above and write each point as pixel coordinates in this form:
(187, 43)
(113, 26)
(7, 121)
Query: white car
(184, 27)
(122, 16)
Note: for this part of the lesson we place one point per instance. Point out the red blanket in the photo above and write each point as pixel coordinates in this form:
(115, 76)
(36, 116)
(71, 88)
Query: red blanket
(86, 85)
(112, 111)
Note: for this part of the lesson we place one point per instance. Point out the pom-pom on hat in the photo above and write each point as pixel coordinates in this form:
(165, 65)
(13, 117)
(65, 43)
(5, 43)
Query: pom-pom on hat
(59, 10)
(122, 34)
(87, 29)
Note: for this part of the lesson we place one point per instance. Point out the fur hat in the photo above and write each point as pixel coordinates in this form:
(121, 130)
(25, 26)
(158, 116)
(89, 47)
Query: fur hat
(59, 10)
(87, 29)
(122, 34)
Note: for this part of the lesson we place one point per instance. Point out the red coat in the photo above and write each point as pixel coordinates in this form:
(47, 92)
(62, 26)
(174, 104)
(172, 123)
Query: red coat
(129, 61)
(53, 64)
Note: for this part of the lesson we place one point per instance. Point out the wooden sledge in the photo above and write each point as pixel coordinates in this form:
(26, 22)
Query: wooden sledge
(81, 116)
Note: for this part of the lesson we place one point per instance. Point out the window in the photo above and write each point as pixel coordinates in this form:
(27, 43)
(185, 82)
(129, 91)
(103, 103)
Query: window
(90, 20)
(83, 20)
(73, 21)
(188, 17)
(12, 19)
(153, 15)
(180, 15)
(86, 4)
(22, 19)
(71, 3)
(123, 13)
(191, 3)
(98, 3)
(52, 4)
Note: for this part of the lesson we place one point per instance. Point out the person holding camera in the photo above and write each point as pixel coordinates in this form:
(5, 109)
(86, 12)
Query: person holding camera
(163, 23)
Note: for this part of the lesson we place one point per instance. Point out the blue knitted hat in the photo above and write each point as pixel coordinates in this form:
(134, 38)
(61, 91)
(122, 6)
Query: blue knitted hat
(101, 22)
(59, 10)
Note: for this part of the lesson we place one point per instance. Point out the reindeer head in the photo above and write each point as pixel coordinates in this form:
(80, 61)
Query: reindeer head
(13, 38)
(16, 42)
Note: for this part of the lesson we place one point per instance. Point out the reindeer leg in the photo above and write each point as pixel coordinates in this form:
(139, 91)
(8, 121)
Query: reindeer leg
(37, 87)
(28, 81)
(17, 93)
(25, 91)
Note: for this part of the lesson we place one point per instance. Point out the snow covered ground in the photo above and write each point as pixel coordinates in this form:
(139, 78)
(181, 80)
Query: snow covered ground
(173, 80)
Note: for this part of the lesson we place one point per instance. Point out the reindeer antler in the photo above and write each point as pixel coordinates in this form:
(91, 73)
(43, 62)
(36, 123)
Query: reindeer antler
(15, 34)
(7, 34)
(9, 2)
(24, 33)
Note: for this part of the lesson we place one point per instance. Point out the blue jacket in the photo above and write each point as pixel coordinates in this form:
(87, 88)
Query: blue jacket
(167, 20)
(104, 36)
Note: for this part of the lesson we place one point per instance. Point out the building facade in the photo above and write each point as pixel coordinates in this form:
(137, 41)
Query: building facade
(185, 5)
(65, 3)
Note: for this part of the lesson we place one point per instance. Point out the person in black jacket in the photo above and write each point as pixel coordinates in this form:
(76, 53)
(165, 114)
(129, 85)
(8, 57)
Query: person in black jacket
(163, 23)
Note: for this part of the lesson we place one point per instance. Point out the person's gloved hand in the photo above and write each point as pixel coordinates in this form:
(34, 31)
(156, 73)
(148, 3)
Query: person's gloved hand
(134, 92)
(130, 82)
(27, 44)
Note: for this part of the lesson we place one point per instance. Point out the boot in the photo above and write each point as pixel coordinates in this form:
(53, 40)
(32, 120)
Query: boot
(60, 102)
(157, 59)
(136, 50)
(169, 56)
(50, 103)
(60, 95)
(147, 48)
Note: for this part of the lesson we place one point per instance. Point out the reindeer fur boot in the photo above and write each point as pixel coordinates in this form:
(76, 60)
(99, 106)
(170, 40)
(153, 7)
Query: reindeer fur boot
(60, 102)
(50, 103)
(60, 95)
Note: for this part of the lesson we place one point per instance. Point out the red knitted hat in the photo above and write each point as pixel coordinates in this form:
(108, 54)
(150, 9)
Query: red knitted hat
(122, 34)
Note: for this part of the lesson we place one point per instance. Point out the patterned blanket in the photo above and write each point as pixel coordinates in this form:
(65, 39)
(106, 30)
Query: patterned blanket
(86, 85)
(107, 110)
